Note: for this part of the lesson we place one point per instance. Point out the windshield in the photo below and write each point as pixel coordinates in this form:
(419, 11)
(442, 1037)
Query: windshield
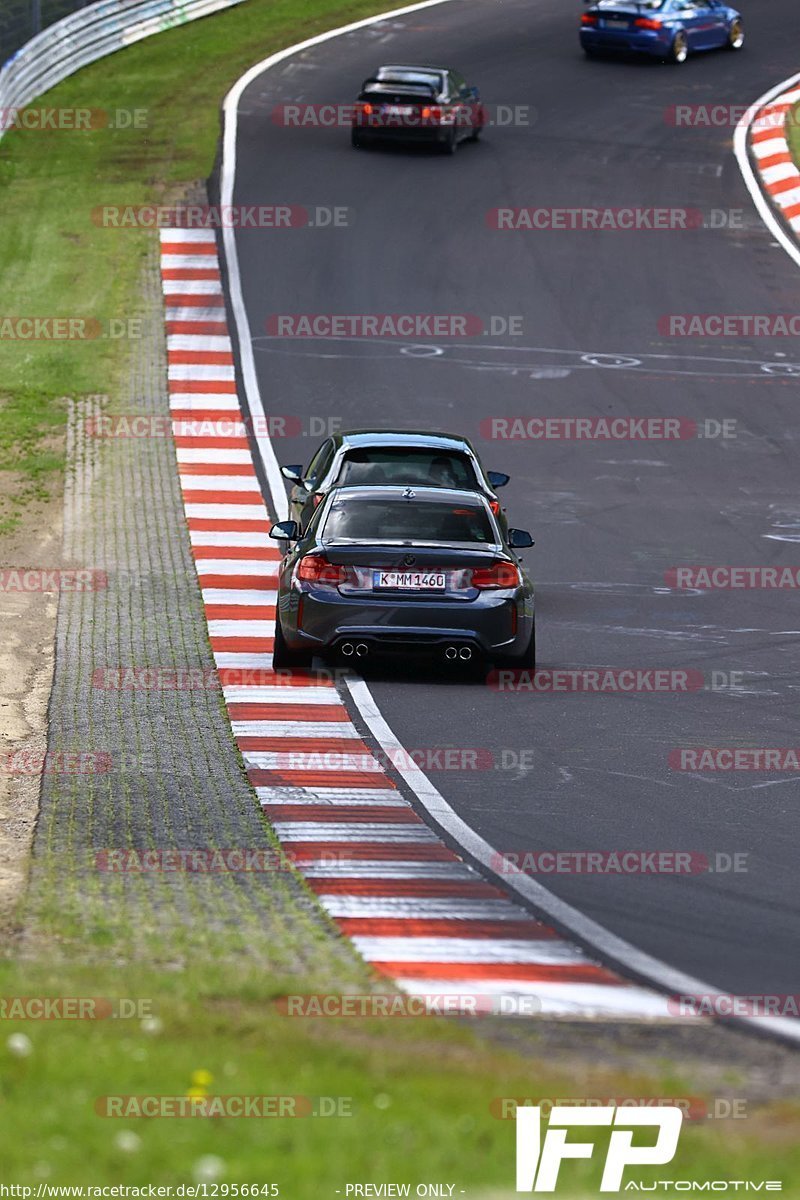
(376, 519)
(414, 468)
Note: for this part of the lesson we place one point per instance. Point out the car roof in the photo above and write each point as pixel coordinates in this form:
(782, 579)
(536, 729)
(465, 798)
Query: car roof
(398, 492)
(387, 438)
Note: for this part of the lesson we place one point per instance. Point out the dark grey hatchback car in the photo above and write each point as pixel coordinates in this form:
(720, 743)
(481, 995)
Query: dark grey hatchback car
(389, 456)
(383, 569)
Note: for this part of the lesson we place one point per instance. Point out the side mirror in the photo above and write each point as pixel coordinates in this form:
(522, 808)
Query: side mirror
(520, 539)
(285, 531)
(294, 473)
(497, 478)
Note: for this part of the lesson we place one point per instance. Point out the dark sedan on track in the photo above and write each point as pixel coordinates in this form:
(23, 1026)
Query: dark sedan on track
(392, 569)
(435, 105)
(381, 456)
(665, 29)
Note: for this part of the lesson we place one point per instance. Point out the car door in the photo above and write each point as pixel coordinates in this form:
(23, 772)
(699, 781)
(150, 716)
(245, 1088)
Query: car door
(301, 498)
(703, 24)
(689, 18)
(460, 97)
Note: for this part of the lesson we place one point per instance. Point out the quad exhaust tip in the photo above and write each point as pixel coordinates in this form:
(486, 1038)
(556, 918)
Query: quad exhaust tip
(362, 649)
(465, 653)
(348, 649)
(451, 653)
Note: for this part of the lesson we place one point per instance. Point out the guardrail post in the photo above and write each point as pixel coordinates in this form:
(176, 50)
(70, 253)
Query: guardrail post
(36, 17)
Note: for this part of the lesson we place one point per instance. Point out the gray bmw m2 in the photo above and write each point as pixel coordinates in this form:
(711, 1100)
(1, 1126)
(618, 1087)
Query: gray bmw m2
(404, 569)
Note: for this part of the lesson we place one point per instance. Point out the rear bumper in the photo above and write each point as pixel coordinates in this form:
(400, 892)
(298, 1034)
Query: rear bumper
(641, 41)
(428, 134)
(494, 624)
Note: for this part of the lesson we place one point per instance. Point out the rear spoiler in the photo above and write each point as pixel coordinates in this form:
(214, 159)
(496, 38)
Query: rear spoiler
(397, 85)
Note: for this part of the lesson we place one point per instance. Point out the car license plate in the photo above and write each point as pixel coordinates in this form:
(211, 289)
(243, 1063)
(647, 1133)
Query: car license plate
(398, 110)
(409, 581)
(610, 23)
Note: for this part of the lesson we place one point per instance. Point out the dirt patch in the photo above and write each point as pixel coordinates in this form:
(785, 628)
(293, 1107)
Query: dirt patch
(28, 621)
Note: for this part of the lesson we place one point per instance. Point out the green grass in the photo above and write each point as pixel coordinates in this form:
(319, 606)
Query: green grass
(31, 451)
(55, 262)
(793, 133)
(419, 1092)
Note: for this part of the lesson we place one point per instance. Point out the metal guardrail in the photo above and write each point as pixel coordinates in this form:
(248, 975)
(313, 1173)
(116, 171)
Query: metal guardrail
(86, 35)
(20, 20)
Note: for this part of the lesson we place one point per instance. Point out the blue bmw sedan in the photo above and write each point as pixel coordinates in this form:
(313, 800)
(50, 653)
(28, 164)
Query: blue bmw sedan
(665, 29)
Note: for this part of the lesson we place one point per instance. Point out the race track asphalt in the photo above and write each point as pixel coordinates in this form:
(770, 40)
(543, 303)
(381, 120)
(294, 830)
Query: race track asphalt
(573, 772)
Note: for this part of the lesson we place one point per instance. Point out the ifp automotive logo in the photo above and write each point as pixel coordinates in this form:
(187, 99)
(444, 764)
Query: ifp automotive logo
(539, 1159)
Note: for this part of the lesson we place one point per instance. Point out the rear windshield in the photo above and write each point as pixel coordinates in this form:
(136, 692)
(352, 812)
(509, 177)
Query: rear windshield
(372, 519)
(431, 78)
(407, 468)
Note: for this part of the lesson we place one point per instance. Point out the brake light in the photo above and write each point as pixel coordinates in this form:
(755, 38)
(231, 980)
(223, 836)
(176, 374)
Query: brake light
(494, 505)
(367, 110)
(498, 575)
(431, 113)
(315, 568)
(589, 19)
(646, 23)
(317, 499)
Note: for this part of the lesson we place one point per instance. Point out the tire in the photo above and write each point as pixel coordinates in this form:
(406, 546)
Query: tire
(735, 35)
(282, 657)
(356, 140)
(590, 52)
(679, 50)
(476, 134)
(451, 145)
(526, 661)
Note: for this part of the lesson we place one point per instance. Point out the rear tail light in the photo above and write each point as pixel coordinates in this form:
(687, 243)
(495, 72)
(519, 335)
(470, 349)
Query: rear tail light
(589, 19)
(431, 113)
(646, 23)
(498, 575)
(494, 505)
(315, 568)
(318, 498)
(366, 109)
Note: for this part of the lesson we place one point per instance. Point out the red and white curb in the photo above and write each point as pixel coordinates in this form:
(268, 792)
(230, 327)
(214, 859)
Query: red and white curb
(412, 907)
(774, 162)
